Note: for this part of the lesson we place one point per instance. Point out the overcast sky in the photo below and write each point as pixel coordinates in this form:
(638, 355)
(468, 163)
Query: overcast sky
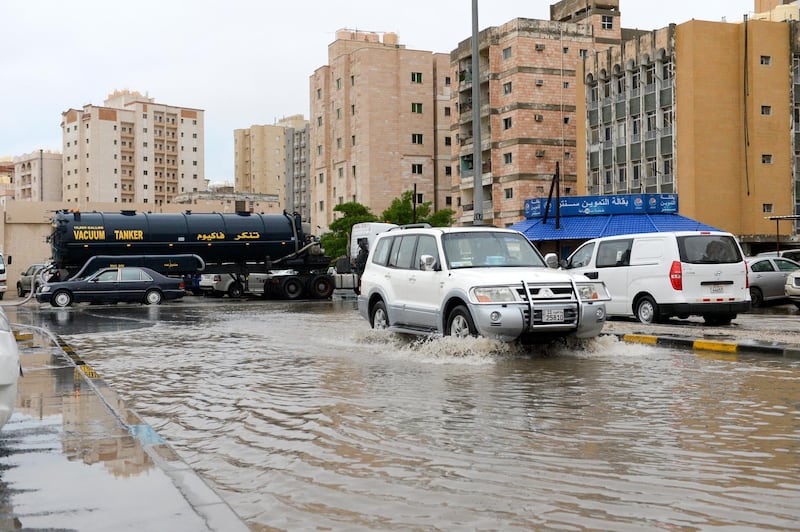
(243, 62)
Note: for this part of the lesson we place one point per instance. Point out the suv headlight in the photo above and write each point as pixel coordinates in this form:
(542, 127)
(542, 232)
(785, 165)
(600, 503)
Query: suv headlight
(493, 294)
(592, 291)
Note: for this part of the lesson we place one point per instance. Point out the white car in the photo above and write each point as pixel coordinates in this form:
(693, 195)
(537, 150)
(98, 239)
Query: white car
(9, 369)
(470, 281)
(792, 288)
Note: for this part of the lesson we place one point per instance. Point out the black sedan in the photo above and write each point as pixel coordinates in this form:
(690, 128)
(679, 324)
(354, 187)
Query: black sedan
(113, 285)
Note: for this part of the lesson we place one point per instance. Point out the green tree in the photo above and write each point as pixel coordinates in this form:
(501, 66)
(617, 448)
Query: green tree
(401, 212)
(337, 240)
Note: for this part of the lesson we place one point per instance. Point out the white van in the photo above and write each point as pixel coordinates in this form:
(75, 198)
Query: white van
(653, 276)
(3, 277)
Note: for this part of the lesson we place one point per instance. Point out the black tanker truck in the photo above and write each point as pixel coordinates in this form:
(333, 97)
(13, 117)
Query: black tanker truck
(189, 243)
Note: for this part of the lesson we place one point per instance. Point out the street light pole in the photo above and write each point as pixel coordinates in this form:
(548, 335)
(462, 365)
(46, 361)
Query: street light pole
(477, 158)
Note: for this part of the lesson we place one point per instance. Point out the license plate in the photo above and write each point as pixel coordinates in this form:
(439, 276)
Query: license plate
(716, 288)
(552, 315)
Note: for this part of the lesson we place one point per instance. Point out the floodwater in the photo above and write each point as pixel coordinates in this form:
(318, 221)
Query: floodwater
(300, 416)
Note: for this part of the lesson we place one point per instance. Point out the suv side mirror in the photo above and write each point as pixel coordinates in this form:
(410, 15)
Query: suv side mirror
(551, 260)
(427, 263)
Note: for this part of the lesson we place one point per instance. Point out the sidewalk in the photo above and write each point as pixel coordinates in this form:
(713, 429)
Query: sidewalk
(72, 456)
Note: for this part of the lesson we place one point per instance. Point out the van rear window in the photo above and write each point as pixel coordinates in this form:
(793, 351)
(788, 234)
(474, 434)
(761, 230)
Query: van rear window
(709, 249)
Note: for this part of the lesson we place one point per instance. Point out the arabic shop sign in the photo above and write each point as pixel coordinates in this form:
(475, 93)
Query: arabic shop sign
(609, 204)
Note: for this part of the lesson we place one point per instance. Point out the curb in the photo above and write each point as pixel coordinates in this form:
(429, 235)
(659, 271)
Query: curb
(779, 350)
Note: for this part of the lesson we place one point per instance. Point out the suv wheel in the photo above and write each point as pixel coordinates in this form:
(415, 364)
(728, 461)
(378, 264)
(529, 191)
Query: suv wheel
(235, 290)
(20, 291)
(460, 324)
(378, 317)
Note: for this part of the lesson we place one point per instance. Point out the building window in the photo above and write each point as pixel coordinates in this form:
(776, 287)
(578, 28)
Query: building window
(607, 22)
(448, 170)
(507, 53)
(416, 77)
(448, 141)
(565, 50)
(566, 84)
(766, 110)
(321, 178)
(509, 193)
(319, 149)
(338, 112)
(416, 138)
(766, 60)
(339, 142)
(416, 108)
(338, 83)
(566, 120)
(319, 121)
(766, 158)
(766, 208)
(341, 172)
(507, 123)
(321, 205)
(353, 170)
(448, 200)
(508, 158)
(319, 94)
(447, 81)
(621, 174)
(353, 140)
(352, 81)
(416, 168)
(447, 111)
(507, 88)
(353, 109)
(583, 52)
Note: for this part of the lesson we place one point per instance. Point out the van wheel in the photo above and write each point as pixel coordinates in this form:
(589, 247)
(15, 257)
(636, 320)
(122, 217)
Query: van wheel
(756, 297)
(460, 324)
(719, 319)
(378, 317)
(646, 310)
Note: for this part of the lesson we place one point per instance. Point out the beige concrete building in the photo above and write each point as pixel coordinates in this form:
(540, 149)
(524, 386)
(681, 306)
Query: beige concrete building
(528, 105)
(263, 157)
(131, 150)
(298, 170)
(379, 125)
(708, 110)
(6, 179)
(37, 176)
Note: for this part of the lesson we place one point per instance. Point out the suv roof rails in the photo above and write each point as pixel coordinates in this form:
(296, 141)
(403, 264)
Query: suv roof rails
(411, 226)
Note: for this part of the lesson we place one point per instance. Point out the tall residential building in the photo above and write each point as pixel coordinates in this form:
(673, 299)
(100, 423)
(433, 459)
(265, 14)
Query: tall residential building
(131, 150)
(379, 125)
(37, 176)
(298, 159)
(709, 110)
(262, 160)
(6, 179)
(528, 105)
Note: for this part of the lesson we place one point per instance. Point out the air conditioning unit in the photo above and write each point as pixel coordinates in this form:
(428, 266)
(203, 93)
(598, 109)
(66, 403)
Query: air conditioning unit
(538, 118)
(539, 47)
(540, 153)
(539, 82)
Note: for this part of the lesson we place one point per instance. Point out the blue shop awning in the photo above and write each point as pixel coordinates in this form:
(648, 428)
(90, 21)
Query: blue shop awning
(586, 227)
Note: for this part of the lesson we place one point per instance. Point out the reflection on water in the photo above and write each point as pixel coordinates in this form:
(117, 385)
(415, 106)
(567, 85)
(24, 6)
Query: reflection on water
(301, 416)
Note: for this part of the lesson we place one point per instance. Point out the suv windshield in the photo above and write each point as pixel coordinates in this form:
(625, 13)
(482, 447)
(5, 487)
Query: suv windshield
(484, 249)
(708, 249)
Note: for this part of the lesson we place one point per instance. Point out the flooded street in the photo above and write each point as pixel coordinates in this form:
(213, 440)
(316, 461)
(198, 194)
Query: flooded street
(300, 416)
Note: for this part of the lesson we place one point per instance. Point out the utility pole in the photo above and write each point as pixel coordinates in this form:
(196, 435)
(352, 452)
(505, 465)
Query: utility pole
(477, 156)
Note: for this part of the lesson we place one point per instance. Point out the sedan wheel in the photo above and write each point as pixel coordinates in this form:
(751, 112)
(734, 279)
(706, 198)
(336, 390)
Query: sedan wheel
(61, 298)
(152, 297)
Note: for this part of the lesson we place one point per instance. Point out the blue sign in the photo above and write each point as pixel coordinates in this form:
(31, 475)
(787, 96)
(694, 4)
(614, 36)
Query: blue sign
(609, 204)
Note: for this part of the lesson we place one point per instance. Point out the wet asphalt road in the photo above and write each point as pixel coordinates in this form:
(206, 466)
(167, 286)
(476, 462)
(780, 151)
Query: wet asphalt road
(300, 417)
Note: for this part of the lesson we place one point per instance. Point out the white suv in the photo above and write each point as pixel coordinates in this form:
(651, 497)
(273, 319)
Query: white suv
(471, 281)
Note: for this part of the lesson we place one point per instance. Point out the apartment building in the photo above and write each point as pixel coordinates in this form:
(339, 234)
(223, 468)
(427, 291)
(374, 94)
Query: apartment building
(298, 160)
(707, 110)
(528, 105)
(37, 176)
(263, 158)
(131, 150)
(379, 125)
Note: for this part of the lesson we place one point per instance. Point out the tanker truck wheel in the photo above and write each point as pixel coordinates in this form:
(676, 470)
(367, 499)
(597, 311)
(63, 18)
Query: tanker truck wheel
(321, 287)
(292, 288)
(153, 297)
(62, 298)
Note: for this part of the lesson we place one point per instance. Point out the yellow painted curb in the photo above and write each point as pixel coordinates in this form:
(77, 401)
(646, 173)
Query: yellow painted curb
(709, 345)
(23, 337)
(640, 339)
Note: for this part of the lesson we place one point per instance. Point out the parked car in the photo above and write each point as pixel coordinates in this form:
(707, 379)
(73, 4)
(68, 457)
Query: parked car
(768, 278)
(28, 279)
(9, 369)
(792, 288)
(653, 276)
(791, 254)
(470, 281)
(113, 285)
